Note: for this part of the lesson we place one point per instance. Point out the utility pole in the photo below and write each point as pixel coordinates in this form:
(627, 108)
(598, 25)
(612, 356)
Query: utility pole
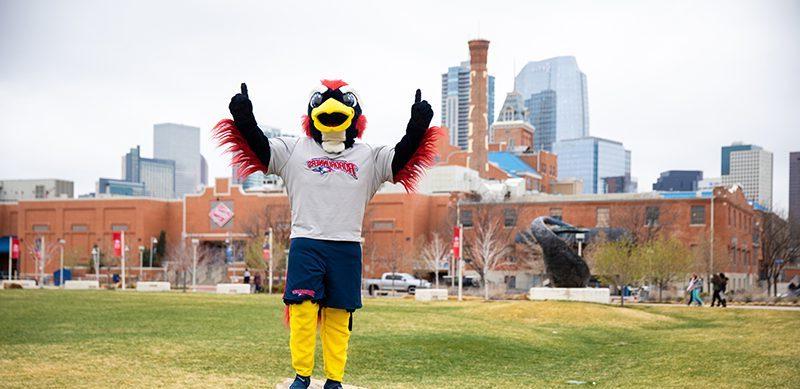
(195, 242)
(42, 253)
(270, 260)
(711, 248)
(61, 243)
(141, 262)
(124, 249)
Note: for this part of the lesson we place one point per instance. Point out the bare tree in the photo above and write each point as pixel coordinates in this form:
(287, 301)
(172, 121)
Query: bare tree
(643, 222)
(432, 253)
(181, 258)
(489, 243)
(779, 246)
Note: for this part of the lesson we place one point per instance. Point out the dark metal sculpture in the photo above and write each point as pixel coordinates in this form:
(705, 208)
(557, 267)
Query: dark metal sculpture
(563, 266)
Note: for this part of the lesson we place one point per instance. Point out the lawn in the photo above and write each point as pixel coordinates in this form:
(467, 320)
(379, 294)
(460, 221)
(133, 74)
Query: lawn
(114, 339)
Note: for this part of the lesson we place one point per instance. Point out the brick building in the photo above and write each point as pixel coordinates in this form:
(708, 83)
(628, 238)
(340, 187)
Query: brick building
(395, 225)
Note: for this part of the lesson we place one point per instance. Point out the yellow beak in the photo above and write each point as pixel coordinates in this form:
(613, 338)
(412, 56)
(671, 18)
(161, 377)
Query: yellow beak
(332, 107)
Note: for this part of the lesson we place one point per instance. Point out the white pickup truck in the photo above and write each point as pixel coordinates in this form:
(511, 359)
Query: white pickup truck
(395, 281)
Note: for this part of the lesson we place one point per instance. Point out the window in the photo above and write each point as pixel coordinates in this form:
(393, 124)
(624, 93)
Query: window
(556, 213)
(39, 191)
(651, 216)
(41, 228)
(119, 227)
(603, 217)
(698, 214)
(80, 228)
(383, 225)
(466, 218)
(510, 281)
(509, 217)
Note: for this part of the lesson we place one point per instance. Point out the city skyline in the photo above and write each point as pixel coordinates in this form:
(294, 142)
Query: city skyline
(672, 96)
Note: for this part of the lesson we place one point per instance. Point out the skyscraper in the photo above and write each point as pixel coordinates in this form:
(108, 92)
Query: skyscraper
(678, 180)
(794, 186)
(157, 175)
(593, 159)
(260, 181)
(749, 166)
(181, 144)
(563, 111)
(455, 103)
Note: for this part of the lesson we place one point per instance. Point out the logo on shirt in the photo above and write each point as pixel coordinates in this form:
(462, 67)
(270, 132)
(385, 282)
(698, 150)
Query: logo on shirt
(324, 166)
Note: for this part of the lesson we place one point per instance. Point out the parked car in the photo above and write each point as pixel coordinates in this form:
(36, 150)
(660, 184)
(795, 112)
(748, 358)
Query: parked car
(395, 281)
(466, 281)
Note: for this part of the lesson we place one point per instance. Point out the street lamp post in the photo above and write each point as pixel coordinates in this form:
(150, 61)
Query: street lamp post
(195, 242)
(141, 262)
(153, 242)
(96, 257)
(61, 243)
(10, 254)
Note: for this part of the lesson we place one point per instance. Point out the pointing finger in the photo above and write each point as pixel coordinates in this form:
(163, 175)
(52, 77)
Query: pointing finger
(418, 96)
(244, 89)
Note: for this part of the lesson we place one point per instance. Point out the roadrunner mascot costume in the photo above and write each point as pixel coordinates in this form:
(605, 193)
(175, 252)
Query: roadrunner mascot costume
(330, 178)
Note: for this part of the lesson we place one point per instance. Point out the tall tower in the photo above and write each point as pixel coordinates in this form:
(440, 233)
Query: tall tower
(478, 127)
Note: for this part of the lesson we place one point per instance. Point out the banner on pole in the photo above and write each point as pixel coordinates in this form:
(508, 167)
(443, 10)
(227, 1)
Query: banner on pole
(15, 248)
(456, 242)
(117, 236)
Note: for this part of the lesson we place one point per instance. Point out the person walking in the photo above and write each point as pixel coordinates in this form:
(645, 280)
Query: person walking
(723, 287)
(716, 282)
(246, 276)
(257, 282)
(695, 285)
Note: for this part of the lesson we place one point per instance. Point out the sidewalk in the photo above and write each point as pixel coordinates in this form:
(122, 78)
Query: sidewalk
(764, 307)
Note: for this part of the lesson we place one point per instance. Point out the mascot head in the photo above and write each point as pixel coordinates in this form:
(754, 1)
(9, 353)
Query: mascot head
(334, 116)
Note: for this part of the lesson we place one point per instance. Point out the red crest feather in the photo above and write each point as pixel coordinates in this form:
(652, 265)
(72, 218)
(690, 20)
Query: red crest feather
(333, 84)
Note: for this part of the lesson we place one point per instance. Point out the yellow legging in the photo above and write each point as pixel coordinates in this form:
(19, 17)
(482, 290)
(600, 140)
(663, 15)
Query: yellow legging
(303, 337)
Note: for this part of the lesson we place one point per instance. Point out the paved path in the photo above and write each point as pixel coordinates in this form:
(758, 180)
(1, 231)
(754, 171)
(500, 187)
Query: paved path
(763, 307)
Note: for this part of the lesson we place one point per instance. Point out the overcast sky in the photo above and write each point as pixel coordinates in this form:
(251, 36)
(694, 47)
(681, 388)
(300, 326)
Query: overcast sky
(83, 81)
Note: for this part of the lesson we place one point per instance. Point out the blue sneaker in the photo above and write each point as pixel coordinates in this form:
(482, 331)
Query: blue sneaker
(331, 384)
(300, 382)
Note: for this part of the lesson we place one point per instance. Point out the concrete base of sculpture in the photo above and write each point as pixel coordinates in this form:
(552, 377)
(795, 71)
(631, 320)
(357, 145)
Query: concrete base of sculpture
(430, 295)
(233, 289)
(82, 284)
(587, 295)
(24, 284)
(315, 384)
(152, 286)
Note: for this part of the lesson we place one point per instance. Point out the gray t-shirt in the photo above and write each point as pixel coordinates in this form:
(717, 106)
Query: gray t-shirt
(329, 192)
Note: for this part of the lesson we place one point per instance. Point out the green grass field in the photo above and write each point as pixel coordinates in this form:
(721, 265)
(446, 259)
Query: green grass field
(114, 339)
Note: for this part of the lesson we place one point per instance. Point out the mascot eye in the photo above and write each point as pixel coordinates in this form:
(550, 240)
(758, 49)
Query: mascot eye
(349, 99)
(316, 100)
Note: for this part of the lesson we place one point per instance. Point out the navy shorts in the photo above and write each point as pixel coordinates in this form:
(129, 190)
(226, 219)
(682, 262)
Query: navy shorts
(324, 271)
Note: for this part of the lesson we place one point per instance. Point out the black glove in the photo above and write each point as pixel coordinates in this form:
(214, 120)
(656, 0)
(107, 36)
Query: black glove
(242, 109)
(421, 115)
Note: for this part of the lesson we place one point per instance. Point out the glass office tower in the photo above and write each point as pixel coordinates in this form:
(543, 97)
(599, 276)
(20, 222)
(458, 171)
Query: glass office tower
(565, 105)
(591, 159)
(455, 103)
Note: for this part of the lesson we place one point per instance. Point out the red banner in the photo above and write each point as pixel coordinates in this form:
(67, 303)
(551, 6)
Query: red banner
(266, 254)
(117, 236)
(15, 248)
(456, 242)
